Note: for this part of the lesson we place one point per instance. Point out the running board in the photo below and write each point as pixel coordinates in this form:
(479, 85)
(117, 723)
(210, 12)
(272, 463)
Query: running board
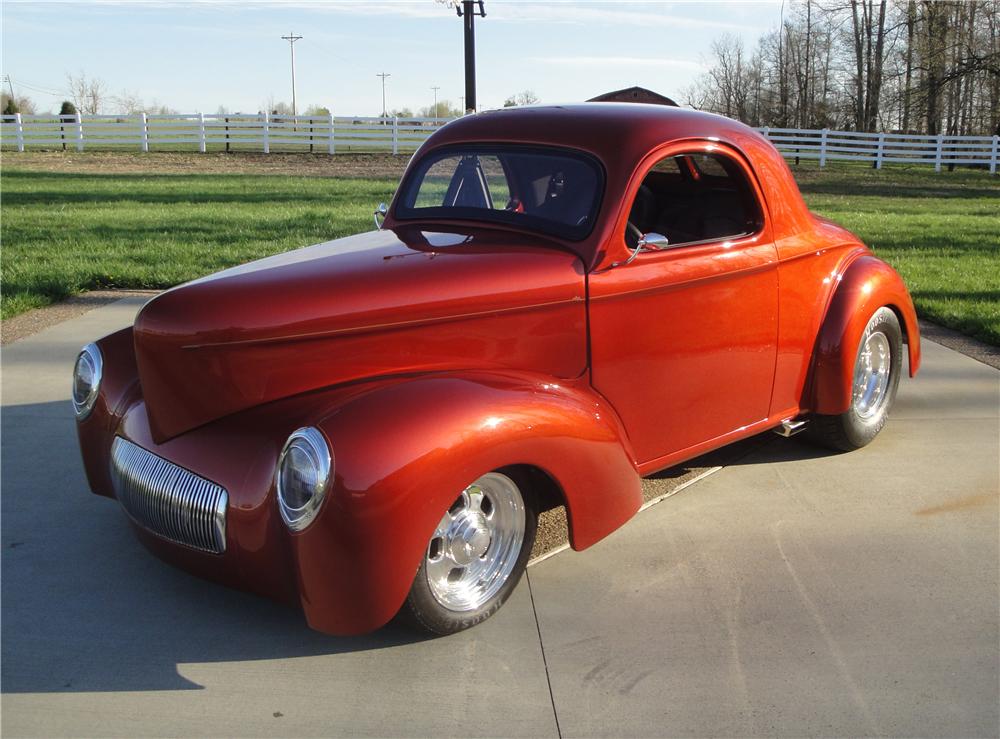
(791, 427)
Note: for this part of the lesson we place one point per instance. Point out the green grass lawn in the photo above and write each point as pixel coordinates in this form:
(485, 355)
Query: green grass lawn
(63, 233)
(940, 230)
(66, 232)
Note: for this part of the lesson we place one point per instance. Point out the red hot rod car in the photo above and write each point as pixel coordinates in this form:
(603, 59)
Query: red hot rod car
(559, 301)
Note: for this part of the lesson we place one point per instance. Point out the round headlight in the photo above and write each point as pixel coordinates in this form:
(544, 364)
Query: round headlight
(87, 380)
(304, 471)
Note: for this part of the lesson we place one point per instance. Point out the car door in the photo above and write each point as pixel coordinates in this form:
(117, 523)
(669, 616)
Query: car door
(683, 339)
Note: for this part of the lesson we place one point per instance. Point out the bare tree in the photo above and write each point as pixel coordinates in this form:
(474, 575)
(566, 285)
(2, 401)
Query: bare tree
(526, 97)
(128, 103)
(918, 65)
(89, 95)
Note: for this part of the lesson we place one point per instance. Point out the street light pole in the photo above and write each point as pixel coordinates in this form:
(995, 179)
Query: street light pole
(468, 10)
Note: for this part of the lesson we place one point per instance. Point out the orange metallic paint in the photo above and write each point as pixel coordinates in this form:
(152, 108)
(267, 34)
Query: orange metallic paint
(370, 305)
(691, 328)
(431, 353)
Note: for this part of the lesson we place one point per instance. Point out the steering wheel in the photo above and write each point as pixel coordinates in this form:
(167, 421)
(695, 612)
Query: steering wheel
(634, 230)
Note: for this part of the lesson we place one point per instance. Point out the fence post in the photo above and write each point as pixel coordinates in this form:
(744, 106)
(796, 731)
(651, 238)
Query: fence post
(939, 153)
(227, 134)
(993, 155)
(144, 134)
(20, 131)
(822, 147)
(767, 132)
(332, 147)
(79, 132)
(201, 132)
(879, 151)
(395, 135)
(267, 133)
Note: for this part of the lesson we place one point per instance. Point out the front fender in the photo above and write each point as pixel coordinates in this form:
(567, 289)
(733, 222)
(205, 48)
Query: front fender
(866, 285)
(404, 452)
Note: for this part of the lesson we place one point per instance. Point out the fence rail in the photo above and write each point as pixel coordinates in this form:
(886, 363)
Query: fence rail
(261, 132)
(330, 134)
(881, 148)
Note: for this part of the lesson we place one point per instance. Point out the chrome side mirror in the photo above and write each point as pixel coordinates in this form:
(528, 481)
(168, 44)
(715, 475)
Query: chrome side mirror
(381, 211)
(651, 241)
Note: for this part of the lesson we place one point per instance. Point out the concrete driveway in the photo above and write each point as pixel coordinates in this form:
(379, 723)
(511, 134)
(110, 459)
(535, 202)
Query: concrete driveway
(794, 592)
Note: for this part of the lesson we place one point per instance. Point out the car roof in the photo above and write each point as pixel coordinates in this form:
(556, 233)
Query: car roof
(610, 131)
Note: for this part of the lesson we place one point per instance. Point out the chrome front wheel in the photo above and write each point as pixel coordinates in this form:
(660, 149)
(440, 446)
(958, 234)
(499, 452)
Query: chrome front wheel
(475, 546)
(475, 556)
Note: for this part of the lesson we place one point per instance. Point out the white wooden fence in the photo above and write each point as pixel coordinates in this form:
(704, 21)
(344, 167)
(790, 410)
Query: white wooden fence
(880, 148)
(330, 134)
(255, 132)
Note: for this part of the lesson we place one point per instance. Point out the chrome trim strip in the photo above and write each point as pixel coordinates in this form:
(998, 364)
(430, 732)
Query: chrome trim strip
(168, 500)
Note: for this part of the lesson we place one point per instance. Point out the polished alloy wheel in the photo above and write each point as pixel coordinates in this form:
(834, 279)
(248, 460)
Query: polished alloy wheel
(871, 375)
(476, 545)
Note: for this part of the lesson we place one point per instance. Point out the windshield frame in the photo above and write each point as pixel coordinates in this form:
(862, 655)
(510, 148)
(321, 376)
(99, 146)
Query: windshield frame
(404, 211)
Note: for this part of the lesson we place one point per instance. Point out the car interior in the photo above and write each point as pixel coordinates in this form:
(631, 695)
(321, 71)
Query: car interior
(551, 192)
(694, 198)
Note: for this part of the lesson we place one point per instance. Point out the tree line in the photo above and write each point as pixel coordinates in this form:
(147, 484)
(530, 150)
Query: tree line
(91, 96)
(911, 66)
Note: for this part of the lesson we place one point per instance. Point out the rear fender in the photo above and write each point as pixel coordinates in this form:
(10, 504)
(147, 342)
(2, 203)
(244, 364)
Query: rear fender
(405, 451)
(866, 285)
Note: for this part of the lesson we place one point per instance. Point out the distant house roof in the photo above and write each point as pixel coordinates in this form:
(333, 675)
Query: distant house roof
(633, 95)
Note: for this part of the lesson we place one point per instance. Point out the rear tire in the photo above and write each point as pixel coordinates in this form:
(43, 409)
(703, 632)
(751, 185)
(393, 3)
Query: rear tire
(877, 367)
(476, 555)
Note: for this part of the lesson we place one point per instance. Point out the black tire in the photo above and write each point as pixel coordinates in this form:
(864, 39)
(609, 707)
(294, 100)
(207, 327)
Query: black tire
(863, 421)
(425, 609)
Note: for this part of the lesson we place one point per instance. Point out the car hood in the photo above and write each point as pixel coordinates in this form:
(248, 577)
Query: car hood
(374, 305)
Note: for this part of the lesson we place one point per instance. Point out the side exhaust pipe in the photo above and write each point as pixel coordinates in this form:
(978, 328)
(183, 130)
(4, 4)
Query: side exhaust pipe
(790, 427)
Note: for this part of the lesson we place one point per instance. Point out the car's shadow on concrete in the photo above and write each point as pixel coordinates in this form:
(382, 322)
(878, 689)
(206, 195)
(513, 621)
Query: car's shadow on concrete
(87, 608)
(763, 448)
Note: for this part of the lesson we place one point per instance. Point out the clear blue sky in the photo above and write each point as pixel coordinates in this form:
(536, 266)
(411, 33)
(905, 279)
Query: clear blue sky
(196, 56)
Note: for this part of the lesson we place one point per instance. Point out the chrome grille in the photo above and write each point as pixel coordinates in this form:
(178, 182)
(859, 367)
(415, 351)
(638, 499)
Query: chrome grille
(167, 499)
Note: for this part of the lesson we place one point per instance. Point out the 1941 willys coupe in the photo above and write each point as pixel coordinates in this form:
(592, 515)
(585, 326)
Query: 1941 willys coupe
(559, 301)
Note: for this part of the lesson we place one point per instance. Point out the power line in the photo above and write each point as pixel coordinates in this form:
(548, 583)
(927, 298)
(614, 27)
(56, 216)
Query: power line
(383, 75)
(291, 38)
(39, 88)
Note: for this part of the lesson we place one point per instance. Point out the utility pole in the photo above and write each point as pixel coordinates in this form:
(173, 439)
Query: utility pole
(383, 75)
(11, 85)
(435, 101)
(468, 11)
(291, 38)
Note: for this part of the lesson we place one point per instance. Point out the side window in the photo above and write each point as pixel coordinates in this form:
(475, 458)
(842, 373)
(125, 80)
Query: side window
(692, 198)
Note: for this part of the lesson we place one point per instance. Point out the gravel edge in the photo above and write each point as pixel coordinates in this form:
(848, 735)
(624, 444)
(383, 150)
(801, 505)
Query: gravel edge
(31, 322)
(970, 347)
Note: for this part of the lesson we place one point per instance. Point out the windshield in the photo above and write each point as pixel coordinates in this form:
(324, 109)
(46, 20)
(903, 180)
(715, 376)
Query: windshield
(543, 189)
